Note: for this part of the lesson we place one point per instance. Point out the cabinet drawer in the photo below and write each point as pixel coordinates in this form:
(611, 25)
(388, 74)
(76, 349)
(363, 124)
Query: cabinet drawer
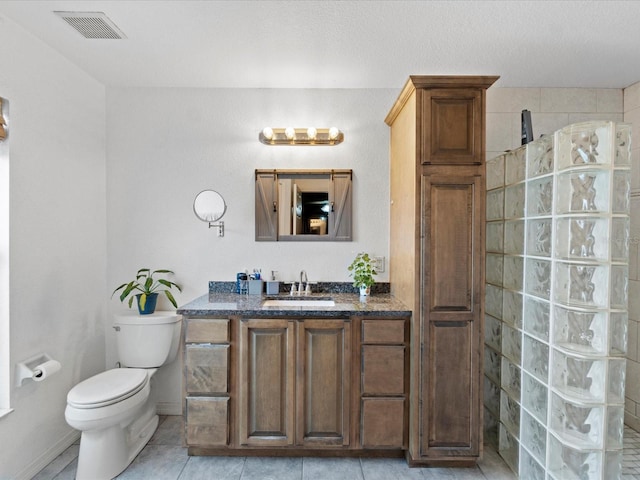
(383, 422)
(207, 330)
(382, 370)
(383, 331)
(207, 421)
(206, 368)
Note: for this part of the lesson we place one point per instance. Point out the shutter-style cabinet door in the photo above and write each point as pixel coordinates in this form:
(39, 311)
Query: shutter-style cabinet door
(266, 207)
(340, 199)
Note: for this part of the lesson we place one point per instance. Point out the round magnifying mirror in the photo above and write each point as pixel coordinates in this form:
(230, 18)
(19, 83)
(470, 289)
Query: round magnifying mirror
(209, 206)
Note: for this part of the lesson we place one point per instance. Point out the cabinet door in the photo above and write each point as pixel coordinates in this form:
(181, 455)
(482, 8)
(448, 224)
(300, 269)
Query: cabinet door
(383, 424)
(266, 207)
(323, 394)
(451, 288)
(340, 200)
(267, 376)
(207, 421)
(452, 126)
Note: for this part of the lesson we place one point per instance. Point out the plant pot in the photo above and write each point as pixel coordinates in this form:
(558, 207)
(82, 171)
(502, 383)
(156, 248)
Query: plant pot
(364, 291)
(149, 304)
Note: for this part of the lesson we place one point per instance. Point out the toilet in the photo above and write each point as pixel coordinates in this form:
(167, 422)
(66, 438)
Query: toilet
(113, 409)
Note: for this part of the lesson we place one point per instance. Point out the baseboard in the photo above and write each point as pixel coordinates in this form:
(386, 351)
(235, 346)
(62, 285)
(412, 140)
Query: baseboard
(49, 455)
(169, 408)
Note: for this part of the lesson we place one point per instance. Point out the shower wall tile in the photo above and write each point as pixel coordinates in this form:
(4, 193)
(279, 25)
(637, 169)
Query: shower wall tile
(499, 131)
(609, 100)
(535, 397)
(495, 173)
(632, 345)
(593, 117)
(512, 308)
(514, 99)
(634, 300)
(494, 268)
(631, 98)
(547, 123)
(569, 100)
(515, 168)
(530, 468)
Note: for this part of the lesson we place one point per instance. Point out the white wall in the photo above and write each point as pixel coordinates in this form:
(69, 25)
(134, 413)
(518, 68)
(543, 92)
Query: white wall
(57, 240)
(166, 145)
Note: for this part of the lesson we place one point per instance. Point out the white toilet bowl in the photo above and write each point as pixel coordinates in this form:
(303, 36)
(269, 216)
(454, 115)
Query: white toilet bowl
(113, 409)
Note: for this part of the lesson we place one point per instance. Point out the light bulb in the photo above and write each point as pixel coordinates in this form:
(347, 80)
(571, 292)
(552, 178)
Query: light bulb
(311, 133)
(290, 133)
(267, 133)
(333, 133)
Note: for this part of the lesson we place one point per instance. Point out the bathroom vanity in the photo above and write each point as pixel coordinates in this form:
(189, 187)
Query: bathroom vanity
(296, 380)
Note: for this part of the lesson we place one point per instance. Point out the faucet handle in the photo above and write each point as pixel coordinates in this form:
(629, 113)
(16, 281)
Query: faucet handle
(293, 288)
(307, 290)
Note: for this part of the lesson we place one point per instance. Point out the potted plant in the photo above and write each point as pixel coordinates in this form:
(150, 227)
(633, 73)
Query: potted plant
(362, 271)
(148, 288)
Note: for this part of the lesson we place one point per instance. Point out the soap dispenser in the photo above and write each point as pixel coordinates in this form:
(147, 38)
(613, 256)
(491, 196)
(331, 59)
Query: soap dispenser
(273, 286)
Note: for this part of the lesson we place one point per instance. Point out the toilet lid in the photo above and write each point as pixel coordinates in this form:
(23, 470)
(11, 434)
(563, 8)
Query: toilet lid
(107, 387)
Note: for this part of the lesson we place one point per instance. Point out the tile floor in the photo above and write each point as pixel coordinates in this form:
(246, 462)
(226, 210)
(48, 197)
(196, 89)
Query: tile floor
(164, 458)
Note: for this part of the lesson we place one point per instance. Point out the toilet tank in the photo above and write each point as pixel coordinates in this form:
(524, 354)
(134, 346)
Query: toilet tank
(147, 341)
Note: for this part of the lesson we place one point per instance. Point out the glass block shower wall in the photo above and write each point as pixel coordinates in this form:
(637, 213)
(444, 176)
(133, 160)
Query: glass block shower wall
(557, 241)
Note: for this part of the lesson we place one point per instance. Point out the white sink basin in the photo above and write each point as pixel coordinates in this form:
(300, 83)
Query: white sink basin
(299, 303)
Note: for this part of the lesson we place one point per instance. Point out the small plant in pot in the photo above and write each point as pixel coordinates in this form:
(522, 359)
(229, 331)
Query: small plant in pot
(145, 289)
(362, 271)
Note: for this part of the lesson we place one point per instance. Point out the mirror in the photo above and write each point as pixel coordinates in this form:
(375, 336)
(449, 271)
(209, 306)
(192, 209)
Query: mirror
(209, 206)
(303, 205)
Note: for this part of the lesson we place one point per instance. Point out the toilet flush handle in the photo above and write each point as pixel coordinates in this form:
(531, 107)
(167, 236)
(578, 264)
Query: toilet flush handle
(116, 328)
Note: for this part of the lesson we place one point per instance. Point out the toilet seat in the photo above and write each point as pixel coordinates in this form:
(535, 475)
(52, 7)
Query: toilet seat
(107, 388)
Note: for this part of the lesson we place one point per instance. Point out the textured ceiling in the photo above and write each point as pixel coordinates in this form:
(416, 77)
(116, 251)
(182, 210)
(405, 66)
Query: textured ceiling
(346, 44)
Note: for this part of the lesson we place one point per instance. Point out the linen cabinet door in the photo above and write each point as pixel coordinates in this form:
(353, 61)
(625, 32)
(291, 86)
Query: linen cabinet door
(452, 129)
(323, 393)
(452, 253)
(267, 379)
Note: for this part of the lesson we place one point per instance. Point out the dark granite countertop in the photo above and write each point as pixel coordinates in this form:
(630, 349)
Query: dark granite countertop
(346, 304)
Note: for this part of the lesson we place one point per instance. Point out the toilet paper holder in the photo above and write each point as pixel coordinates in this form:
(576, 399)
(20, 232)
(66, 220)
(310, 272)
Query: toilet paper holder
(29, 368)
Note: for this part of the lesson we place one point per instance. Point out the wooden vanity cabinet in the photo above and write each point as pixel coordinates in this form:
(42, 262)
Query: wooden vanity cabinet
(436, 259)
(295, 385)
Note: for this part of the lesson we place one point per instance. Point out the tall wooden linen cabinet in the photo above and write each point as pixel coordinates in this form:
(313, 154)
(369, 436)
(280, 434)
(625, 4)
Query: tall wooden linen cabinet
(437, 258)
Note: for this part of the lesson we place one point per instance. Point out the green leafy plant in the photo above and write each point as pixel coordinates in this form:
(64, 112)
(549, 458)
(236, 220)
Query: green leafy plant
(362, 271)
(145, 284)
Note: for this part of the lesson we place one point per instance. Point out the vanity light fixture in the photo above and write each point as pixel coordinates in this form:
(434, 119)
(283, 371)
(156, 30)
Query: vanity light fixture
(301, 136)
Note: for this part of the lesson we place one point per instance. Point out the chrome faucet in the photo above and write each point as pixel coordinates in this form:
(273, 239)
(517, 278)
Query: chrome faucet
(303, 279)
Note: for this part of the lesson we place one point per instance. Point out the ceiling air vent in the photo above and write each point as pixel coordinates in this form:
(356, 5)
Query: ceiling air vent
(92, 24)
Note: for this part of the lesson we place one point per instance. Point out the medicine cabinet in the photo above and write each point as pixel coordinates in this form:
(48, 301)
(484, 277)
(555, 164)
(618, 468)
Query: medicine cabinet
(303, 205)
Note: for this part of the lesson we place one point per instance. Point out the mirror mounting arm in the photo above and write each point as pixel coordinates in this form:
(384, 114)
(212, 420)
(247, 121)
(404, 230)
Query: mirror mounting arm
(219, 226)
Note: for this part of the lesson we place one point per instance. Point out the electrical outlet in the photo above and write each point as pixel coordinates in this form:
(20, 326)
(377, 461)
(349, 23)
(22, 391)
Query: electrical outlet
(378, 264)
